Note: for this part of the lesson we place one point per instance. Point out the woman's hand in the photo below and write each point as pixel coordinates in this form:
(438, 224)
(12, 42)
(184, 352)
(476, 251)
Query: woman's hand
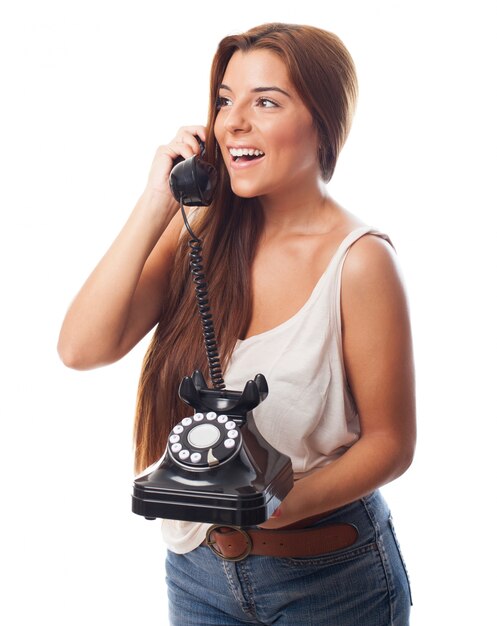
(184, 145)
(291, 510)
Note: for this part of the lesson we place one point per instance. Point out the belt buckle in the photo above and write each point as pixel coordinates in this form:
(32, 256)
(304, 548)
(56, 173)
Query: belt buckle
(211, 544)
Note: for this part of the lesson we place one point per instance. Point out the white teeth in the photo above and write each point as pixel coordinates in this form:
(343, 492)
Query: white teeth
(238, 152)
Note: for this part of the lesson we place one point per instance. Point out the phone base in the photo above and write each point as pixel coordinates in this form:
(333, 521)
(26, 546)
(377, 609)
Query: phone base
(244, 509)
(217, 467)
(243, 492)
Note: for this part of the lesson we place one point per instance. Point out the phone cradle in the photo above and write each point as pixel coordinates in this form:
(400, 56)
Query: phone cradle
(217, 467)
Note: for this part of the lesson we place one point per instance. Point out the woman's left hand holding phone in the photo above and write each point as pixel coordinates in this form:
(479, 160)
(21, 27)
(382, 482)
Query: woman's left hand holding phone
(184, 145)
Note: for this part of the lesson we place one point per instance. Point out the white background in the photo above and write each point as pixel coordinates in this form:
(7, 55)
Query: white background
(90, 89)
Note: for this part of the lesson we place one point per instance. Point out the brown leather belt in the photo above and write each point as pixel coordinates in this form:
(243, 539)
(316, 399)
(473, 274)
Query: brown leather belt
(235, 544)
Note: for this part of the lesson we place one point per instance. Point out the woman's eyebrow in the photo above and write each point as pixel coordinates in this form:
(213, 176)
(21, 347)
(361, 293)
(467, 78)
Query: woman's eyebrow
(259, 89)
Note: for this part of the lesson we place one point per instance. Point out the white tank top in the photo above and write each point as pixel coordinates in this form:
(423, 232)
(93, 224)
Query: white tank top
(309, 413)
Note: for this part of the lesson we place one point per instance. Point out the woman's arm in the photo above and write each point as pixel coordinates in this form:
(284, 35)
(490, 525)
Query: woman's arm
(122, 298)
(378, 358)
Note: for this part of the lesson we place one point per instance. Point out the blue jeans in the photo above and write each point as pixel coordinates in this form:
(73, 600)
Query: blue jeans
(363, 585)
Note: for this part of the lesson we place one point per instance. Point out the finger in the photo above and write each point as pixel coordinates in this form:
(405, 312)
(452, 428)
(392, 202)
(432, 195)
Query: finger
(273, 521)
(271, 524)
(187, 139)
(176, 149)
(200, 131)
(191, 135)
(188, 142)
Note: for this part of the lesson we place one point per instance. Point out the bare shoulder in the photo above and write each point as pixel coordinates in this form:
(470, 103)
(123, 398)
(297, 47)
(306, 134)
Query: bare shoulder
(369, 255)
(371, 262)
(373, 296)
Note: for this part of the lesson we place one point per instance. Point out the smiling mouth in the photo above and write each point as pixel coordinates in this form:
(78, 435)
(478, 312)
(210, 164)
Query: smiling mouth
(241, 155)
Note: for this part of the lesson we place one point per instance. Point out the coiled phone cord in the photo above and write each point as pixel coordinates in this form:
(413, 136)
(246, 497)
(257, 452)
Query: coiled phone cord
(201, 295)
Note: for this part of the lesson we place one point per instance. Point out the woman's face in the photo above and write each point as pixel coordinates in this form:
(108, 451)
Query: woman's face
(260, 111)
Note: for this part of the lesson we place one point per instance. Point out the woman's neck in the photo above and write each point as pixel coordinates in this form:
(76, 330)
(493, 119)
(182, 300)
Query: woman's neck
(302, 210)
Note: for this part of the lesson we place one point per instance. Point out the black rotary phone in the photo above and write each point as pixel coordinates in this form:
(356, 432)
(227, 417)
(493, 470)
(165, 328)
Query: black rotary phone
(217, 467)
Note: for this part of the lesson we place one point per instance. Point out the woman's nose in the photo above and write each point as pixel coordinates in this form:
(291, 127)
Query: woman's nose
(237, 119)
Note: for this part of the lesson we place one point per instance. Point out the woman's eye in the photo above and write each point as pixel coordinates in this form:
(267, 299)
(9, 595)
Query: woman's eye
(266, 103)
(222, 102)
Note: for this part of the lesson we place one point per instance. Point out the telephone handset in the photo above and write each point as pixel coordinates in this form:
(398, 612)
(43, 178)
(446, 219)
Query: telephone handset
(217, 467)
(193, 180)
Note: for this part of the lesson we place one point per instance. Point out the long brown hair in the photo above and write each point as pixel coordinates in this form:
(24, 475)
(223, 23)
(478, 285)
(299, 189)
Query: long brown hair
(323, 74)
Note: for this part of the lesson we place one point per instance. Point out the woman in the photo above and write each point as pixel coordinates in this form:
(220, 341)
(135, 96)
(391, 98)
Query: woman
(302, 291)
